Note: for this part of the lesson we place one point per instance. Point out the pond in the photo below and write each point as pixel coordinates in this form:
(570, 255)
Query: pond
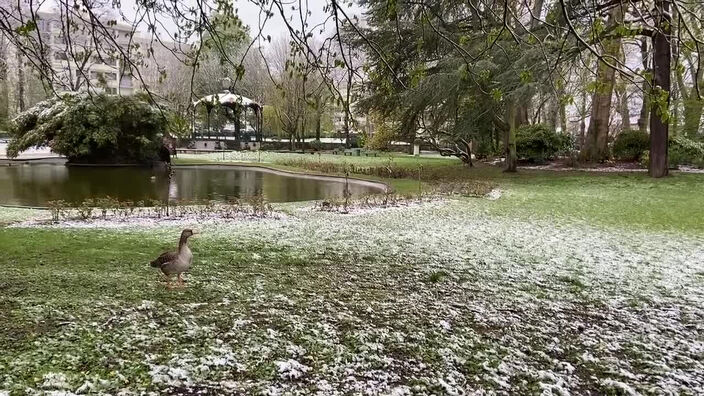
(34, 184)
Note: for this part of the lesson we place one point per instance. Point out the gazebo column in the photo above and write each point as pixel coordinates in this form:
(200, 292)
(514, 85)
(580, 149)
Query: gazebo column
(209, 109)
(238, 114)
(244, 110)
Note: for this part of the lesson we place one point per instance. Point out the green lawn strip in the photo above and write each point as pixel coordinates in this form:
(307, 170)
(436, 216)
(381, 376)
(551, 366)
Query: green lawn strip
(622, 200)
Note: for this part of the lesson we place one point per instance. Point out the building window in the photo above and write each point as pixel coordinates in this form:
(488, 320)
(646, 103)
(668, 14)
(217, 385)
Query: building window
(111, 91)
(44, 26)
(126, 81)
(60, 56)
(104, 61)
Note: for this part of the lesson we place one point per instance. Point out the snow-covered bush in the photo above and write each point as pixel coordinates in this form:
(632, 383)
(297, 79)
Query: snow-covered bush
(91, 129)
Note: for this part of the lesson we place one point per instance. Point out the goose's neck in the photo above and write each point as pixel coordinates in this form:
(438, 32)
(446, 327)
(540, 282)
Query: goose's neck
(183, 242)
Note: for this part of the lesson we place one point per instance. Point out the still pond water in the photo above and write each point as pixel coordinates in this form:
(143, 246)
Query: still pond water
(36, 184)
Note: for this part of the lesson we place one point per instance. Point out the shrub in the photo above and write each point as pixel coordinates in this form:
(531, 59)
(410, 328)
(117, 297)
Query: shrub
(684, 151)
(538, 143)
(85, 210)
(485, 148)
(315, 145)
(681, 151)
(96, 129)
(57, 208)
(630, 144)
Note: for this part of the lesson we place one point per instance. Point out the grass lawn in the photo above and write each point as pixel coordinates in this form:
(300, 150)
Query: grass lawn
(570, 282)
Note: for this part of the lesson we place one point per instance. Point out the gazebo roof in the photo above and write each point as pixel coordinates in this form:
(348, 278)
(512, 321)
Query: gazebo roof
(227, 98)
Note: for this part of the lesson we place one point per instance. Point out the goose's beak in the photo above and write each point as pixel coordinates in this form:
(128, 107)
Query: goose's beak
(195, 232)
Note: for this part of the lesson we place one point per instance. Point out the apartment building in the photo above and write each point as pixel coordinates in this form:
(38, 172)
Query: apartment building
(82, 59)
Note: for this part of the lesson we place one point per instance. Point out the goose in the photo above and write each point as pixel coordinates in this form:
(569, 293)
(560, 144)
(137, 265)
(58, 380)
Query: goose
(176, 262)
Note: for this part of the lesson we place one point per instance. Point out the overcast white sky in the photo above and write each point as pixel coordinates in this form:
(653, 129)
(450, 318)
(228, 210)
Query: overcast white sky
(249, 13)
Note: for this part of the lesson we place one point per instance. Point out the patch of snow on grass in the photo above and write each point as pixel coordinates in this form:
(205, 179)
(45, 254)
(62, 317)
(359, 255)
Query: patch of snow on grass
(55, 381)
(290, 369)
(494, 194)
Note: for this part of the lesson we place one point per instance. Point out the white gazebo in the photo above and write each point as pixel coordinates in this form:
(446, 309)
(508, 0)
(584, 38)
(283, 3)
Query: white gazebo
(238, 104)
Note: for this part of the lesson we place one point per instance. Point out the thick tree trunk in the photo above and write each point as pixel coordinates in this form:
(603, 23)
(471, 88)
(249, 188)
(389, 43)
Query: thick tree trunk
(596, 144)
(675, 119)
(521, 113)
(562, 110)
(20, 84)
(659, 128)
(645, 106)
(317, 126)
(537, 12)
(693, 105)
(348, 109)
(469, 153)
(693, 109)
(623, 109)
(511, 157)
(553, 116)
(347, 130)
(622, 93)
(582, 121)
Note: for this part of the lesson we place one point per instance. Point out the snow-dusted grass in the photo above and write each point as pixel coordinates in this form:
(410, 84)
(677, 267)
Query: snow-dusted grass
(10, 215)
(442, 297)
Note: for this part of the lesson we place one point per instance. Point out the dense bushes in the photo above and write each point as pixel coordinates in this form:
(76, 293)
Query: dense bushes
(538, 143)
(684, 151)
(91, 128)
(484, 147)
(681, 151)
(630, 144)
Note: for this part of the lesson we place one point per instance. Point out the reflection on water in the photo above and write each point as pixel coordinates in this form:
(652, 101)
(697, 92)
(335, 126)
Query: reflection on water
(36, 184)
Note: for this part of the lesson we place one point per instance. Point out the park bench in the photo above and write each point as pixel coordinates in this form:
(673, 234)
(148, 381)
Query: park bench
(371, 153)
